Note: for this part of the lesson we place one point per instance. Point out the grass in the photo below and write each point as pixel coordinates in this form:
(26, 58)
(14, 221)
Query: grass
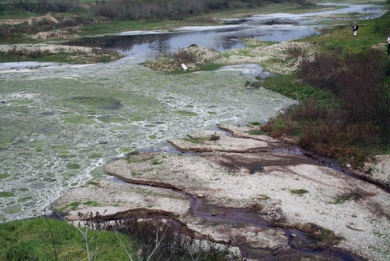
(289, 86)
(340, 39)
(50, 239)
(298, 191)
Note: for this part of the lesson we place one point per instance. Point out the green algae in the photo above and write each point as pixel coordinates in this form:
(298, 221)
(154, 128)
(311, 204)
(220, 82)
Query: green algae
(97, 102)
(187, 113)
(60, 140)
(14, 209)
(3, 176)
(111, 119)
(73, 166)
(76, 119)
(5, 194)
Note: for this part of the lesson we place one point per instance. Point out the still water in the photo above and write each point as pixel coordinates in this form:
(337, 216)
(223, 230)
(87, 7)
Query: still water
(60, 123)
(276, 27)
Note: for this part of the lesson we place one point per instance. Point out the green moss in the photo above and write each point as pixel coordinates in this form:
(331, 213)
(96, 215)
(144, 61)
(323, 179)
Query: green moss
(156, 162)
(91, 203)
(74, 205)
(298, 191)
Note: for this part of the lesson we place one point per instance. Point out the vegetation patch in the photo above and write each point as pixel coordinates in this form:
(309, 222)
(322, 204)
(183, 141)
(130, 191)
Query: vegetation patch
(156, 162)
(50, 239)
(187, 113)
(73, 166)
(5, 194)
(91, 203)
(298, 191)
(192, 58)
(355, 195)
(343, 105)
(3, 176)
(322, 237)
(111, 119)
(97, 102)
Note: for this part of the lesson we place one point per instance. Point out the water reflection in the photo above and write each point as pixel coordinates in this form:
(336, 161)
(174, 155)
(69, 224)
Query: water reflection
(266, 27)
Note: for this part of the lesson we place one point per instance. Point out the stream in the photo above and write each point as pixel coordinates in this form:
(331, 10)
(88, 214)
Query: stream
(60, 123)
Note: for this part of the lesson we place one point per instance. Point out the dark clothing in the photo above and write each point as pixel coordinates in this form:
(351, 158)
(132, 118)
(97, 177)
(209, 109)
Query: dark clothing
(355, 27)
(388, 45)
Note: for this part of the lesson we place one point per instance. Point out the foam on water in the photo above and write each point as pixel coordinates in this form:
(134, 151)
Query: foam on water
(60, 124)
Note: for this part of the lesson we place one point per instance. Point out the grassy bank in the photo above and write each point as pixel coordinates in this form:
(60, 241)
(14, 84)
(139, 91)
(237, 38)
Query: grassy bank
(50, 239)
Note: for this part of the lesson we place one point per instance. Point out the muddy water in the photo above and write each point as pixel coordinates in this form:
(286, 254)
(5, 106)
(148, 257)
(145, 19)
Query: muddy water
(59, 124)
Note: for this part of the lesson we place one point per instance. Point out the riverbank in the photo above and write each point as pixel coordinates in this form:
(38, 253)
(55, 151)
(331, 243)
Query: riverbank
(61, 150)
(243, 173)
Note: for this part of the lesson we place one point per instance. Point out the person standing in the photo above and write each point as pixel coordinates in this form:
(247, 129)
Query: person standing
(355, 27)
(388, 45)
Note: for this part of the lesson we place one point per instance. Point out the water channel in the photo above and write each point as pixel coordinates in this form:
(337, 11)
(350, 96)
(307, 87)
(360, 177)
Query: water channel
(60, 123)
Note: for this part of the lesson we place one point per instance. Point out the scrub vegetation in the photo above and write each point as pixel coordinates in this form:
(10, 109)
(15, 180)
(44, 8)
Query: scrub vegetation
(343, 93)
(343, 112)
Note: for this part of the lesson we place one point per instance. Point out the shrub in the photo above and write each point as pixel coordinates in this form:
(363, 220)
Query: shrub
(183, 56)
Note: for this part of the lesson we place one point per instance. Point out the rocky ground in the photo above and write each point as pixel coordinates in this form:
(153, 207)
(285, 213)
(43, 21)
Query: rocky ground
(262, 198)
(248, 191)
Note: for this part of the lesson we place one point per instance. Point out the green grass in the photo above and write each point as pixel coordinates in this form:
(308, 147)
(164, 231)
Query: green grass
(298, 191)
(49, 239)
(341, 40)
(289, 86)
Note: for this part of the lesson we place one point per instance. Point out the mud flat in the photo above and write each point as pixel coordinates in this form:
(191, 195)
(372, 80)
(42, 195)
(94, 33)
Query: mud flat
(242, 189)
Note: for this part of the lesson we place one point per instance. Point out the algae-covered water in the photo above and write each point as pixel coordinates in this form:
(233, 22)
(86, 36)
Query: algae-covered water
(59, 124)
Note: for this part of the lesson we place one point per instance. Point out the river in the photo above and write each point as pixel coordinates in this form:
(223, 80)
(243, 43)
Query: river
(60, 123)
